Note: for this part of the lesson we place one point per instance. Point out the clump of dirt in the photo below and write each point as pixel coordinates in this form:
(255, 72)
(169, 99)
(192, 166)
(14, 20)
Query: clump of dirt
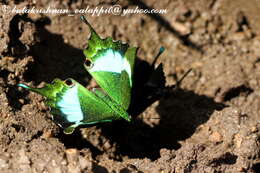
(210, 124)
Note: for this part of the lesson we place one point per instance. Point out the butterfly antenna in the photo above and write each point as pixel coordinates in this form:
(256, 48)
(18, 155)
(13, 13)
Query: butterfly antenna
(181, 79)
(151, 118)
(158, 55)
(142, 118)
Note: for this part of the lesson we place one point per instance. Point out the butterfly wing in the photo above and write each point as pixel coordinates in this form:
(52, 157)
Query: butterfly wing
(112, 104)
(111, 64)
(74, 105)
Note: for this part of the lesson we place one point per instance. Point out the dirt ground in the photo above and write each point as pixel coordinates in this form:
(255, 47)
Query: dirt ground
(210, 124)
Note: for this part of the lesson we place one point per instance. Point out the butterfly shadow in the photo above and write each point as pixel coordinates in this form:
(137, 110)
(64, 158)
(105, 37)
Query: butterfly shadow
(181, 112)
(52, 57)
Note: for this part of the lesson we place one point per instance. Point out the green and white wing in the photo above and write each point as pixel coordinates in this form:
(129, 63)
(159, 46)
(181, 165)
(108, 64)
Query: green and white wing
(73, 105)
(111, 64)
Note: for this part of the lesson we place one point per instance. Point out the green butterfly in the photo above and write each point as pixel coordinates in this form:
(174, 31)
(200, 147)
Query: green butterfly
(111, 64)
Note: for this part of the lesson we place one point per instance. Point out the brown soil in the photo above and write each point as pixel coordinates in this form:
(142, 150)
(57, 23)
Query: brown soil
(211, 124)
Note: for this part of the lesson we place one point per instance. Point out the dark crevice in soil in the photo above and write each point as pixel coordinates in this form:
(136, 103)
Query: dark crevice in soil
(99, 169)
(37, 135)
(256, 167)
(242, 21)
(235, 92)
(127, 170)
(18, 127)
(227, 158)
(212, 3)
(72, 2)
(256, 62)
(5, 2)
(190, 166)
(18, 1)
(4, 74)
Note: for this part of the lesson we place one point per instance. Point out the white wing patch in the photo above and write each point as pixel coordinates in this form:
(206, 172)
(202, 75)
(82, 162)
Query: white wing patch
(70, 105)
(112, 61)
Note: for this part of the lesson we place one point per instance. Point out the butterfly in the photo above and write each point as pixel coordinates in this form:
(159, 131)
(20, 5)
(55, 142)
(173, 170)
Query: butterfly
(111, 64)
